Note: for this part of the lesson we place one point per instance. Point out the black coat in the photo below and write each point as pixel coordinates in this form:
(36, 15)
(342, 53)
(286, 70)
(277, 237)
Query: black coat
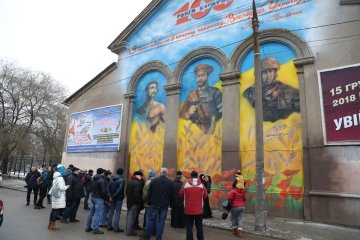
(161, 192)
(76, 189)
(178, 201)
(98, 186)
(31, 179)
(134, 192)
(117, 187)
(88, 179)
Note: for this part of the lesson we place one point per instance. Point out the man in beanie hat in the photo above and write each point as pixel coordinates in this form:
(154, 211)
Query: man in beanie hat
(203, 106)
(97, 199)
(151, 175)
(194, 194)
(279, 99)
(73, 196)
(177, 210)
(133, 201)
(117, 195)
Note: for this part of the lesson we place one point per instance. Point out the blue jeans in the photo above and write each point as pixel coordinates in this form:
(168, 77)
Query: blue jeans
(237, 214)
(114, 207)
(96, 209)
(53, 215)
(155, 218)
(103, 219)
(130, 219)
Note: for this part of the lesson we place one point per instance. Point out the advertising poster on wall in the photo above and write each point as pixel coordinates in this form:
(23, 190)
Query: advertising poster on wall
(340, 96)
(95, 130)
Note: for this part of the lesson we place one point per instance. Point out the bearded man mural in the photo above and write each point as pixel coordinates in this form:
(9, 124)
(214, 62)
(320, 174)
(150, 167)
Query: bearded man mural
(152, 110)
(279, 99)
(203, 106)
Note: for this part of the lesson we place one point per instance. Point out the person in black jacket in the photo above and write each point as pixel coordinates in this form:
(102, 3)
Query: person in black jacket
(87, 188)
(206, 181)
(97, 200)
(177, 210)
(133, 201)
(73, 196)
(31, 184)
(103, 220)
(116, 189)
(160, 197)
(43, 187)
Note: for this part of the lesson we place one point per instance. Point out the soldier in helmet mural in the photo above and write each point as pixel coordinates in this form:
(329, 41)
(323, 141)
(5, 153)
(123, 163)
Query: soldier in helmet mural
(203, 106)
(279, 99)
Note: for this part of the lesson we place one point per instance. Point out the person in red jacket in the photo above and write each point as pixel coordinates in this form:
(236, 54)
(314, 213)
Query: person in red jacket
(237, 199)
(194, 194)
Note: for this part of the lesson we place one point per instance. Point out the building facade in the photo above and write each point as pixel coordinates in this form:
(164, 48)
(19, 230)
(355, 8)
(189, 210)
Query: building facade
(181, 96)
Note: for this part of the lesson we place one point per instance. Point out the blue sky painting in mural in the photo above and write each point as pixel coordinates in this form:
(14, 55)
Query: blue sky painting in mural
(160, 38)
(140, 92)
(281, 52)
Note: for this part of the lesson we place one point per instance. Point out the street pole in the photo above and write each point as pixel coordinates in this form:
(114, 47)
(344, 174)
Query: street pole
(260, 214)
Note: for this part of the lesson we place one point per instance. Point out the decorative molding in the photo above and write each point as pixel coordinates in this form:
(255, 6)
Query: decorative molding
(304, 61)
(230, 78)
(150, 66)
(348, 2)
(118, 44)
(172, 89)
(203, 52)
(297, 43)
(129, 95)
(334, 194)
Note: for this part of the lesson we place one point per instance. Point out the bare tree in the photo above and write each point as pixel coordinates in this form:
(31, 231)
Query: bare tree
(26, 98)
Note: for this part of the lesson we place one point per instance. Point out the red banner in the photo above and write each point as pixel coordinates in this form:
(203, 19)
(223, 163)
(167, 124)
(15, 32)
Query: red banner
(340, 90)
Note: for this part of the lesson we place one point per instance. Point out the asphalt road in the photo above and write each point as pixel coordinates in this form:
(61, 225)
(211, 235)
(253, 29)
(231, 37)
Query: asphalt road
(24, 222)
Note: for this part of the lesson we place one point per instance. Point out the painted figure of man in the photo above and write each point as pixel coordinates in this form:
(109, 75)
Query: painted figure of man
(203, 106)
(279, 99)
(152, 110)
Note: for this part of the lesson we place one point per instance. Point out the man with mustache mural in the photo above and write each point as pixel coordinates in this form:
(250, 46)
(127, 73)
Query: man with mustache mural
(203, 106)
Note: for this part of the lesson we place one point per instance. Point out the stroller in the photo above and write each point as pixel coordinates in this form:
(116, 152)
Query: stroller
(226, 207)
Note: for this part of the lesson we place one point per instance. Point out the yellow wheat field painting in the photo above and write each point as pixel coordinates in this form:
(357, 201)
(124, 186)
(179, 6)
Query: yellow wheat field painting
(197, 150)
(146, 147)
(283, 155)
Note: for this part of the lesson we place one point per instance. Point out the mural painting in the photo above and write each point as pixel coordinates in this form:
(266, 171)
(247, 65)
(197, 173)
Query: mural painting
(187, 25)
(199, 131)
(282, 128)
(147, 128)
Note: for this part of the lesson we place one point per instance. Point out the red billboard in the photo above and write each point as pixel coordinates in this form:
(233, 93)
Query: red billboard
(340, 91)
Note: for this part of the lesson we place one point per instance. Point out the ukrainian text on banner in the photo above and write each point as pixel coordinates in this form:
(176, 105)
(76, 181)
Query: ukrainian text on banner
(340, 91)
(95, 130)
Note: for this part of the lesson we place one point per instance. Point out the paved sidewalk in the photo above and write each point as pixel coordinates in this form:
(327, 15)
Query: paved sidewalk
(279, 228)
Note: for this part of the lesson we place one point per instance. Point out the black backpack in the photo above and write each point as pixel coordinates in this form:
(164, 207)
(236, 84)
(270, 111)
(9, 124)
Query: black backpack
(40, 180)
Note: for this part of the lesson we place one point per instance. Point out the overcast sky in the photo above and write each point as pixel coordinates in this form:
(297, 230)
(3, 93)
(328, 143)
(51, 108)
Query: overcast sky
(66, 38)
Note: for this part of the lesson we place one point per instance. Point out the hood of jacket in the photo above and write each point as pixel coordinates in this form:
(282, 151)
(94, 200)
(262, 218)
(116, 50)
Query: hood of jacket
(98, 176)
(56, 174)
(195, 182)
(116, 177)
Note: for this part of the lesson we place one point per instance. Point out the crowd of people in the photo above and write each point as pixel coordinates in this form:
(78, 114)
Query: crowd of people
(155, 193)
